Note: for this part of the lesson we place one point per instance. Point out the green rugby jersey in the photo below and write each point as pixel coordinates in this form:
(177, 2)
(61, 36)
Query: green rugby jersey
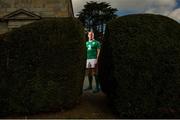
(92, 47)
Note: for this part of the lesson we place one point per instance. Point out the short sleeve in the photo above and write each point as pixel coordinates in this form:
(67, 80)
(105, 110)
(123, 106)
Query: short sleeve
(98, 45)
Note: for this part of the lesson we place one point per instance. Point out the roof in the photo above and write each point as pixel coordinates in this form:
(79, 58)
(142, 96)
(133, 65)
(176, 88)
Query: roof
(21, 14)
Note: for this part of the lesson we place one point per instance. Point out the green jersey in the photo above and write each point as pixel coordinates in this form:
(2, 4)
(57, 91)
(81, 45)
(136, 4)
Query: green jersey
(92, 47)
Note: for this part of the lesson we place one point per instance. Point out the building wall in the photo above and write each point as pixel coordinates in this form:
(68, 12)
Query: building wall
(3, 27)
(42, 8)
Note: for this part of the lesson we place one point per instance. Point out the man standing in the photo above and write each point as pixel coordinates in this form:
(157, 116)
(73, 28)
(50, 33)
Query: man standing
(93, 50)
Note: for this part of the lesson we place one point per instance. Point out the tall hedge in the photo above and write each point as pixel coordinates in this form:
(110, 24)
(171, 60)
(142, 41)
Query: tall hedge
(139, 66)
(45, 67)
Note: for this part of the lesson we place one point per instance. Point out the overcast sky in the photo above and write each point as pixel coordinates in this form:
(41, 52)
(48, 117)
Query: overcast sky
(170, 8)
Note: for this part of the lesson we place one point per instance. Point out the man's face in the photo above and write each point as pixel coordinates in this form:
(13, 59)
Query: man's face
(91, 35)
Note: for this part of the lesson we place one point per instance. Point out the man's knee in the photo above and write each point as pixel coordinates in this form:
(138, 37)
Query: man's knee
(94, 71)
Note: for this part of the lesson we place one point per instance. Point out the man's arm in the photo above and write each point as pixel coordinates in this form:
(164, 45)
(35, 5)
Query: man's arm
(98, 52)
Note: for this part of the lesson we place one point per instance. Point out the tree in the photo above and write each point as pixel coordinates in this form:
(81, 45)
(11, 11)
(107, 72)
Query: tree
(95, 15)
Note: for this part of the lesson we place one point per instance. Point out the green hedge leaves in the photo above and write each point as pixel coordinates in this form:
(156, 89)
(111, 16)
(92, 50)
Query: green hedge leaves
(139, 66)
(45, 67)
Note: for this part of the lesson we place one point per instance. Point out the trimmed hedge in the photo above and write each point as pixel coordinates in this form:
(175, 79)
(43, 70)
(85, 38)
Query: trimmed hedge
(3, 71)
(2, 36)
(139, 66)
(46, 65)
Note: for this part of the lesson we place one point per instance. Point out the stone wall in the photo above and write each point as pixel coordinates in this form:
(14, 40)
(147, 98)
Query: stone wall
(3, 27)
(41, 8)
(44, 8)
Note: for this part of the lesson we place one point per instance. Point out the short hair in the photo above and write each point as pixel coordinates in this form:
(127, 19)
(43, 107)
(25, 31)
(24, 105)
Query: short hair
(90, 33)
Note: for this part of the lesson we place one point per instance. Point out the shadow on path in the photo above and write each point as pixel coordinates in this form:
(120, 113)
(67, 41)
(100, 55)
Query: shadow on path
(90, 106)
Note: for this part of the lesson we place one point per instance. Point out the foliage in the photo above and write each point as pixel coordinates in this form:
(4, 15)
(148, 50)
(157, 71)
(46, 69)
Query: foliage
(95, 15)
(2, 36)
(44, 67)
(139, 66)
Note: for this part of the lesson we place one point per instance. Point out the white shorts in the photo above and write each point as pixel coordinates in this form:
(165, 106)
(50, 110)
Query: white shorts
(90, 63)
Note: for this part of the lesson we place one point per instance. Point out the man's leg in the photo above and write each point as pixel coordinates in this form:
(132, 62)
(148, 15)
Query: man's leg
(96, 81)
(90, 77)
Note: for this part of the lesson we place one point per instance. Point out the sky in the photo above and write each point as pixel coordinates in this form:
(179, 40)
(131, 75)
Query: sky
(170, 8)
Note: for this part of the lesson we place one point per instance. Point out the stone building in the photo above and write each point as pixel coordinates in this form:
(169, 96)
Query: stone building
(15, 13)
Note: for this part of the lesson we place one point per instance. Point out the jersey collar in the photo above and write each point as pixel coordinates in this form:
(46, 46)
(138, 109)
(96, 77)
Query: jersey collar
(91, 40)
